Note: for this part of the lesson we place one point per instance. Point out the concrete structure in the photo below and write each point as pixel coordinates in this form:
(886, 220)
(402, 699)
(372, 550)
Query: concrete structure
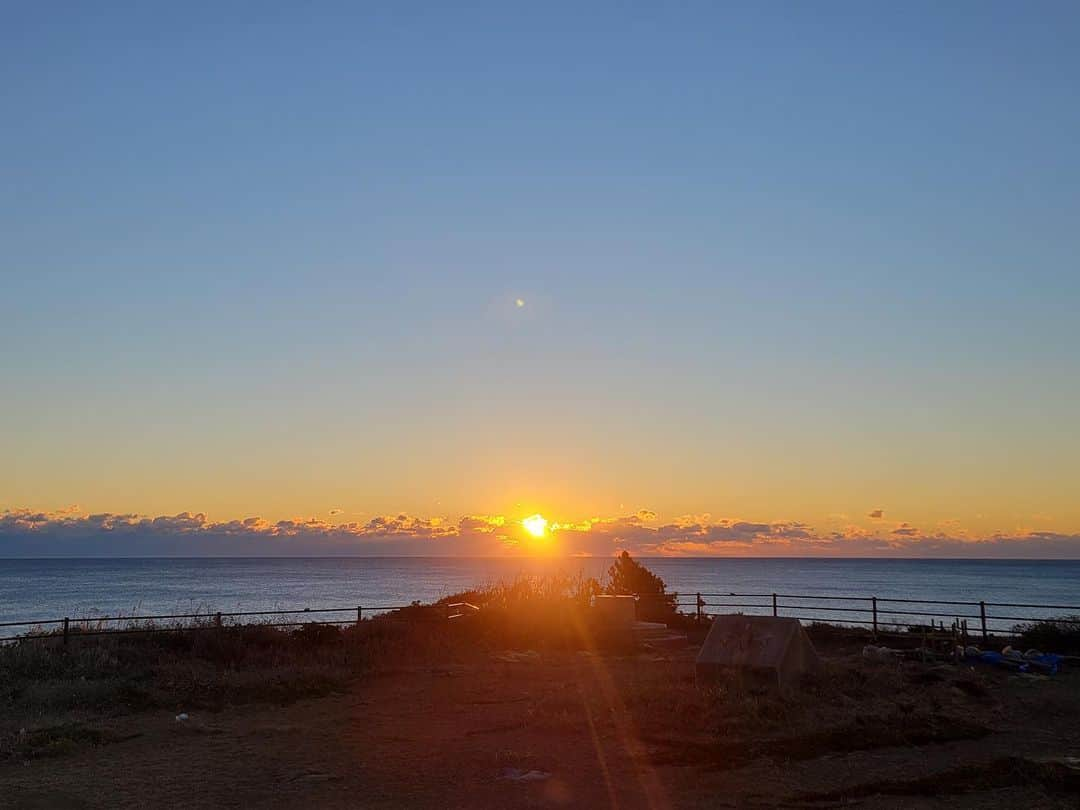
(616, 613)
(765, 650)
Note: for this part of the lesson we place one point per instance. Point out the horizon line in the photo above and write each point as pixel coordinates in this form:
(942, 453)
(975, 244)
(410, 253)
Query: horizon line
(533, 557)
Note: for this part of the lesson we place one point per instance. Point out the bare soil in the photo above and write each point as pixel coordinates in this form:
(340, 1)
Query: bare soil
(577, 729)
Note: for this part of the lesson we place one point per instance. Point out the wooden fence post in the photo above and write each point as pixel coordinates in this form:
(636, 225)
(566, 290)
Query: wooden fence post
(774, 613)
(699, 606)
(873, 602)
(66, 623)
(359, 614)
(982, 616)
(217, 619)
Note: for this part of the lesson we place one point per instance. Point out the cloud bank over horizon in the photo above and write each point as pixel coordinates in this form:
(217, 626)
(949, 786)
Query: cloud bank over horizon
(72, 533)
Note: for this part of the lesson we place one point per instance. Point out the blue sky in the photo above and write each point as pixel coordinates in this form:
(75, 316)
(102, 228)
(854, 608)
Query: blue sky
(780, 261)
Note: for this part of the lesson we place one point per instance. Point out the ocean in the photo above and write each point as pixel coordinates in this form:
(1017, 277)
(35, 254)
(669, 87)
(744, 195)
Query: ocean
(41, 589)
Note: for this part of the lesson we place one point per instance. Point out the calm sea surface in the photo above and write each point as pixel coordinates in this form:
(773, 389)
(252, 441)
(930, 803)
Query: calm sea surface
(48, 589)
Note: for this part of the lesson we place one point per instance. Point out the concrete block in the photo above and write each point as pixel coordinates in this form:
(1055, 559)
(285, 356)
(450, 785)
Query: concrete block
(774, 652)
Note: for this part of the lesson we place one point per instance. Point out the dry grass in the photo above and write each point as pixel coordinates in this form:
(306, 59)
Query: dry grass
(47, 685)
(855, 704)
(549, 612)
(1036, 778)
(209, 666)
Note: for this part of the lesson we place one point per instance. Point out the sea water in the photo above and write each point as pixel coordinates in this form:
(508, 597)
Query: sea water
(40, 589)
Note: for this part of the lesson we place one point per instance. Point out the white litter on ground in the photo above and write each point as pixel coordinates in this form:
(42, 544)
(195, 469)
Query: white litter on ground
(519, 775)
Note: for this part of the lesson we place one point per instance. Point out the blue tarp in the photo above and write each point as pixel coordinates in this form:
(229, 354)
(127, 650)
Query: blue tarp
(1045, 664)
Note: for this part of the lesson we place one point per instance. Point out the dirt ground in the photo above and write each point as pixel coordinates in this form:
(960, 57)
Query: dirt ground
(569, 729)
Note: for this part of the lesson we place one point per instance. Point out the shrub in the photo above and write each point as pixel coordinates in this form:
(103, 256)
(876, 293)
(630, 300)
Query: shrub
(532, 611)
(1060, 635)
(628, 576)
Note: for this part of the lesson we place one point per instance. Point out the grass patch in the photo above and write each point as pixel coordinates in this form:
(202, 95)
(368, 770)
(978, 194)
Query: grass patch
(1005, 772)
(56, 741)
(204, 667)
(856, 704)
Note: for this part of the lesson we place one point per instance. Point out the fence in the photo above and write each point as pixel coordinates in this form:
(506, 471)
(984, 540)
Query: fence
(878, 614)
(98, 625)
(881, 615)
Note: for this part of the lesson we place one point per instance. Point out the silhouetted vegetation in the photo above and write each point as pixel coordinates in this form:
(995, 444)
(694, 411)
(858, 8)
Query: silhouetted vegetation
(534, 612)
(1059, 636)
(553, 610)
(628, 576)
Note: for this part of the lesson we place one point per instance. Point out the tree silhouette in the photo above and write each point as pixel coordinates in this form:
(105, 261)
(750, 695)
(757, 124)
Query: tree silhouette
(628, 576)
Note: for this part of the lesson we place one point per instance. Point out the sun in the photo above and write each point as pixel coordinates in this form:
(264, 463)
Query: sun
(536, 525)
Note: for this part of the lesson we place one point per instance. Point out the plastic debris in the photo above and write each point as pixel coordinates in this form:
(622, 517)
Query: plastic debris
(182, 717)
(1046, 663)
(1008, 658)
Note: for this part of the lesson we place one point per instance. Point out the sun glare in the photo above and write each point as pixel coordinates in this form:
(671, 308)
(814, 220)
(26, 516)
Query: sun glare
(536, 525)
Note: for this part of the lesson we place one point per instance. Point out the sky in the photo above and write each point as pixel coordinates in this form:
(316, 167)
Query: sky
(374, 278)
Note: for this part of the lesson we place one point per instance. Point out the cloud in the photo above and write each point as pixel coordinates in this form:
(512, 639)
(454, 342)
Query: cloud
(481, 524)
(25, 532)
(877, 514)
(184, 522)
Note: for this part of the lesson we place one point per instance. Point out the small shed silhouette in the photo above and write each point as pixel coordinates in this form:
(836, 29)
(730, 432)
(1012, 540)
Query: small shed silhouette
(771, 651)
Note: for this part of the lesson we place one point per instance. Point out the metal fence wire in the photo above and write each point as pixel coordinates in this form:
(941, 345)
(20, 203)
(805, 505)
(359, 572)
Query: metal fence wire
(879, 614)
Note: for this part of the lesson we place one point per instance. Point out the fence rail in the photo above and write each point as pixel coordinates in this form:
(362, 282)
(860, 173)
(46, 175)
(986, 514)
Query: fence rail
(878, 613)
(98, 625)
(874, 612)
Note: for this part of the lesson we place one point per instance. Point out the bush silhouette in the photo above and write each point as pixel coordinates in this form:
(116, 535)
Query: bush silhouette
(628, 576)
